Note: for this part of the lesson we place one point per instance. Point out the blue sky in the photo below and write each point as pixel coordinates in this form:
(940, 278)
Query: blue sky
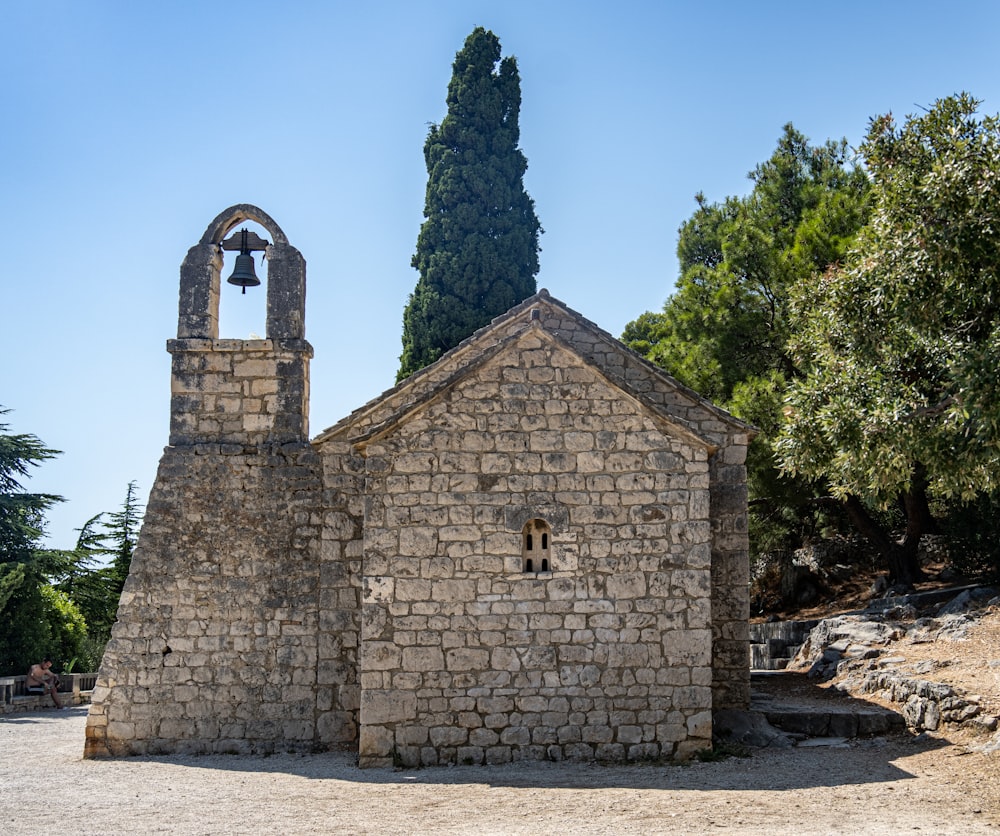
(127, 126)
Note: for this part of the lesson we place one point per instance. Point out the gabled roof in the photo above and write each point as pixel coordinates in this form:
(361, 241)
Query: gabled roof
(664, 396)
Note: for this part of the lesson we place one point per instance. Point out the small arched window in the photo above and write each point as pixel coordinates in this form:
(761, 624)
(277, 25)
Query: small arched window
(536, 539)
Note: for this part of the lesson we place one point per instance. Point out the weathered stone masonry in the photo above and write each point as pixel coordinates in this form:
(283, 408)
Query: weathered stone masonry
(534, 548)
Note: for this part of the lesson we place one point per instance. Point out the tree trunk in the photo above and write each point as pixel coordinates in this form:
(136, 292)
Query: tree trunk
(899, 558)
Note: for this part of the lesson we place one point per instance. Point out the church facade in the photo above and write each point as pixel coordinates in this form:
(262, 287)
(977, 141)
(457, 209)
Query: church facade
(534, 548)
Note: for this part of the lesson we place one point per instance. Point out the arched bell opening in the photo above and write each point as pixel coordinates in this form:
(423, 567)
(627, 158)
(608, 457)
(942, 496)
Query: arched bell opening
(243, 282)
(206, 270)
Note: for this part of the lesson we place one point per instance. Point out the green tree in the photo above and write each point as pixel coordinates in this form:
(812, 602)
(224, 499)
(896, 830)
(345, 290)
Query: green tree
(24, 626)
(66, 627)
(22, 514)
(901, 345)
(477, 251)
(724, 330)
(120, 537)
(99, 565)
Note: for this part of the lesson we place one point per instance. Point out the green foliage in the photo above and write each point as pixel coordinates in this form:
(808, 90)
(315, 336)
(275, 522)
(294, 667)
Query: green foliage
(66, 626)
(53, 602)
(902, 343)
(22, 514)
(24, 631)
(973, 532)
(121, 535)
(90, 583)
(477, 251)
(725, 329)
(43, 623)
(94, 583)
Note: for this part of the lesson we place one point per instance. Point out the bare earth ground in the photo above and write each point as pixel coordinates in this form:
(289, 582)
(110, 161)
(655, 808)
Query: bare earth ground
(888, 785)
(934, 784)
(963, 662)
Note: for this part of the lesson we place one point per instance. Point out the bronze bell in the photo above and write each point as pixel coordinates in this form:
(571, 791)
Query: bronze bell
(243, 273)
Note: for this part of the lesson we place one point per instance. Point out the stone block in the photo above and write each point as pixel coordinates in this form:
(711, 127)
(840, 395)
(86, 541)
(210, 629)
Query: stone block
(380, 656)
(380, 707)
(423, 659)
(467, 659)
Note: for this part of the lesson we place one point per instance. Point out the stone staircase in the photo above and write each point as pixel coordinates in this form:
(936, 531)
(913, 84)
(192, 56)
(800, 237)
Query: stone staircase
(800, 707)
(774, 644)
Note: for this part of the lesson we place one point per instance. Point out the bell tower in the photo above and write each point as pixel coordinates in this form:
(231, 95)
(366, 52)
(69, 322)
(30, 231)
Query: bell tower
(215, 648)
(245, 392)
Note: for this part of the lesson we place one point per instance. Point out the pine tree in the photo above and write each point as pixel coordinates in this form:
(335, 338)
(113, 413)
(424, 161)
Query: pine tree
(25, 635)
(477, 251)
(123, 532)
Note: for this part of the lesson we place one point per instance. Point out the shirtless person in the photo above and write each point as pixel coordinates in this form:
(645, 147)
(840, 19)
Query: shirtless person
(41, 679)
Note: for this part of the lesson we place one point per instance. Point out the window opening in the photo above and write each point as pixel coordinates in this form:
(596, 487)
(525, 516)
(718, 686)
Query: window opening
(535, 552)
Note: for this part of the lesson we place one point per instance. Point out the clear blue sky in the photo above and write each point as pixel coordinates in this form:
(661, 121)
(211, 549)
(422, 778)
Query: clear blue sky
(127, 126)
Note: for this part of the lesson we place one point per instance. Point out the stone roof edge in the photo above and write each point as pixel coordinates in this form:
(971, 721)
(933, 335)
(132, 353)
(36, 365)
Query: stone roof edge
(541, 296)
(407, 407)
(418, 375)
(676, 425)
(722, 414)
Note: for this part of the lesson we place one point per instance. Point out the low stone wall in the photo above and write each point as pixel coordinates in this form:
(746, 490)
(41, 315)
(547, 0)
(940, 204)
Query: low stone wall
(74, 689)
(926, 705)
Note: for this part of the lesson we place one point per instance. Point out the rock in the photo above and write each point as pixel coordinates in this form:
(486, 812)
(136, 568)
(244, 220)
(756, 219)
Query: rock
(954, 627)
(901, 612)
(842, 632)
(992, 745)
(969, 599)
(800, 586)
(947, 575)
(748, 728)
(887, 661)
(959, 604)
(830, 742)
(921, 713)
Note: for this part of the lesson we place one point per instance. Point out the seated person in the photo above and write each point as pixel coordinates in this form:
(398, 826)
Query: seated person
(41, 680)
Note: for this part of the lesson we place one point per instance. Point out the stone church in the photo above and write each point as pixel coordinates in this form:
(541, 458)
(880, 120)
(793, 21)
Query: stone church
(534, 548)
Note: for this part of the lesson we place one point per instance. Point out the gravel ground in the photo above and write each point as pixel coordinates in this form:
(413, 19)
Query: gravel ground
(877, 786)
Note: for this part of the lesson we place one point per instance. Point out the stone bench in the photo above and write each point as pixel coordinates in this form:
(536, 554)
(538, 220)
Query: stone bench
(14, 695)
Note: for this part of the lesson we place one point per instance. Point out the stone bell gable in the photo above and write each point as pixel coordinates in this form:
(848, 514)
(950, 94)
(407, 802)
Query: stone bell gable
(217, 645)
(554, 557)
(534, 548)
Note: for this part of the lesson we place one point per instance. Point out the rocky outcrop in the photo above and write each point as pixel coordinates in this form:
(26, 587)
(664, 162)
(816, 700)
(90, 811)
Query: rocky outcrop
(858, 651)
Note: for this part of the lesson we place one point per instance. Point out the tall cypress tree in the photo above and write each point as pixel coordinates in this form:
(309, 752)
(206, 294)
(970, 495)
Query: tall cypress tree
(477, 252)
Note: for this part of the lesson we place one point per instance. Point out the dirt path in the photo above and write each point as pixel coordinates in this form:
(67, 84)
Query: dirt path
(878, 786)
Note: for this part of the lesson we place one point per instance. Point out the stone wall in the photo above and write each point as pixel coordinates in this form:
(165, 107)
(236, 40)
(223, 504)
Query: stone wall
(243, 392)
(216, 647)
(727, 474)
(379, 594)
(467, 658)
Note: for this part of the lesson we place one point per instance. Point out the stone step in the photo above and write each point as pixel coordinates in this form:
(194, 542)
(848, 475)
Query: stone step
(813, 722)
(796, 705)
(774, 644)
